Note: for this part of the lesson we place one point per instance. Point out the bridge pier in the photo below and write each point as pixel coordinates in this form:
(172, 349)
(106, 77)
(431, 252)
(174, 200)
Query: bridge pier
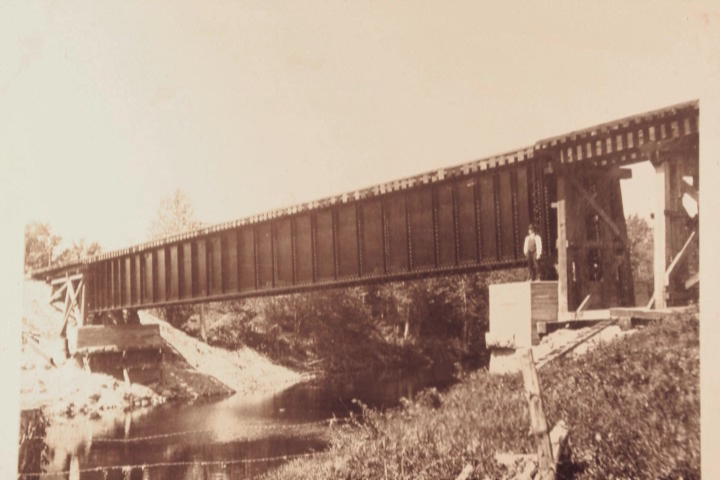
(593, 251)
(675, 230)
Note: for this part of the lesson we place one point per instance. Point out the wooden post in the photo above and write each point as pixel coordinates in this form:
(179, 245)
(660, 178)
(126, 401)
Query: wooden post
(81, 320)
(562, 268)
(546, 463)
(659, 234)
(203, 330)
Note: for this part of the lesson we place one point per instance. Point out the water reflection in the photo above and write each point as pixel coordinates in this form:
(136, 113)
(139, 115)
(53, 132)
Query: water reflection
(234, 437)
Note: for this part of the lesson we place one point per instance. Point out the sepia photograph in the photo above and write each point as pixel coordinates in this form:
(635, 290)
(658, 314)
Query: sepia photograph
(358, 240)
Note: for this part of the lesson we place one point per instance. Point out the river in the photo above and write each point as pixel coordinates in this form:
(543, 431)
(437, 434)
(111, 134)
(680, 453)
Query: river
(230, 438)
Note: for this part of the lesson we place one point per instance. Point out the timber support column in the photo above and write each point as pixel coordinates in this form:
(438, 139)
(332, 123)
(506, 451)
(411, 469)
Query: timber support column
(562, 267)
(659, 234)
(669, 224)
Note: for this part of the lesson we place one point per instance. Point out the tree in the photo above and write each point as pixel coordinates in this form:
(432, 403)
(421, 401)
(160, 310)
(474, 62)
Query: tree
(175, 215)
(78, 251)
(640, 235)
(39, 244)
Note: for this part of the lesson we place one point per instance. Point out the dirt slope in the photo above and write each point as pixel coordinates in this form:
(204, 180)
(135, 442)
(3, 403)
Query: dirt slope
(190, 369)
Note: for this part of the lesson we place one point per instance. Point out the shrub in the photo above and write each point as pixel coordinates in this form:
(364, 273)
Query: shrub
(632, 406)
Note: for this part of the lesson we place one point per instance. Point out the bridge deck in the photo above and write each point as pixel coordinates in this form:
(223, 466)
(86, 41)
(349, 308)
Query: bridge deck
(470, 217)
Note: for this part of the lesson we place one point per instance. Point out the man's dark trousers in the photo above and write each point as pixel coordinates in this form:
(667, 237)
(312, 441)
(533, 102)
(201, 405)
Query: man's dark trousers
(533, 266)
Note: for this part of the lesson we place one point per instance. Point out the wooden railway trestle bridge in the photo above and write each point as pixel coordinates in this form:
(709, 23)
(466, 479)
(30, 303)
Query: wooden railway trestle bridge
(465, 218)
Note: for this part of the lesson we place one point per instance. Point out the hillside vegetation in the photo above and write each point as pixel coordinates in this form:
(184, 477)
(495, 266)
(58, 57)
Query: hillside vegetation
(633, 408)
(352, 329)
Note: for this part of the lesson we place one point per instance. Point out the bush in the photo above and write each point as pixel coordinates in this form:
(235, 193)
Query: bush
(632, 406)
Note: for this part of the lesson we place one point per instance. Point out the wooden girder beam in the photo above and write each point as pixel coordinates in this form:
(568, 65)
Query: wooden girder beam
(612, 171)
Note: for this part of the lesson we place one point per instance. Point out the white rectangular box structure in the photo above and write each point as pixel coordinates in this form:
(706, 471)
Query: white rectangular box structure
(515, 309)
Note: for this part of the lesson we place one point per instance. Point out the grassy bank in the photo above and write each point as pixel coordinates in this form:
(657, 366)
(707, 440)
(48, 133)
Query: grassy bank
(633, 408)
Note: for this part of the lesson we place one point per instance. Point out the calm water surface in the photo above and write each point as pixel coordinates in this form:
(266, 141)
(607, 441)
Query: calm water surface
(231, 438)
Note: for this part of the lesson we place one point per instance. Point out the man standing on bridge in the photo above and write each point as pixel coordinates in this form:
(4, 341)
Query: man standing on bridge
(533, 250)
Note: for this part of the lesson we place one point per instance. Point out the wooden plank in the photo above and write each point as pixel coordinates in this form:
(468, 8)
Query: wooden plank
(396, 232)
(174, 293)
(692, 281)
(215, 264)
(467, 222)
(303, 250)
(186, 286)
(81, 320)
(538, 422)
(584, 303)
(200, 271)
(679, 257)
(562, 244)
(283, 254)
(127, 281)
(488, 230)
(601, 314)
(138, 279)
(265, 257)
(149, 275)
(112, 283)
(659, 233)
(68, 308)
(230, 262)
(58, 293)
(246, 244)
(507, 220)
(62, 280)
(422, 241)
(324, 246)
(118, 283)
(445, 226)
(609, 172)
(160, 275)
(373, 249)
(639, 313)
(347, 248)
(691, 191)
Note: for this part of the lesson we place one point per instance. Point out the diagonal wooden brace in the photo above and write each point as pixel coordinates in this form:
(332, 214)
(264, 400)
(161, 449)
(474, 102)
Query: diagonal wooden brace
(58, 293)
(678, 258)
(72, 306)
(690, 190)
(606, 218)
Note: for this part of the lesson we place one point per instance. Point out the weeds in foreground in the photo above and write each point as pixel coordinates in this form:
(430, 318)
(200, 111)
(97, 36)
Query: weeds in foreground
(633, 407)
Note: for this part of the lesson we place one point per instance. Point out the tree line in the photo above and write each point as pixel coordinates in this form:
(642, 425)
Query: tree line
(41, 243)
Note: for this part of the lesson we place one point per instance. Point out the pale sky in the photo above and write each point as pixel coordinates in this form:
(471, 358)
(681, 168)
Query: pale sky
(106, 107)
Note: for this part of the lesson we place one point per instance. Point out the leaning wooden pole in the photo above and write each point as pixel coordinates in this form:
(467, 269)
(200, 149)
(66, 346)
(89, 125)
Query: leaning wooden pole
(546, 462)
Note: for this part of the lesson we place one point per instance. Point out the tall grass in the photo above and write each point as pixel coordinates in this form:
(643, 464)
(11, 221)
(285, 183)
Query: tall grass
(633, 408)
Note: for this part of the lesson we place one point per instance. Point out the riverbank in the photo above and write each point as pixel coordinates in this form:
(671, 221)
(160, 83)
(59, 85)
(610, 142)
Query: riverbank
(190, 369)
(632, 406)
